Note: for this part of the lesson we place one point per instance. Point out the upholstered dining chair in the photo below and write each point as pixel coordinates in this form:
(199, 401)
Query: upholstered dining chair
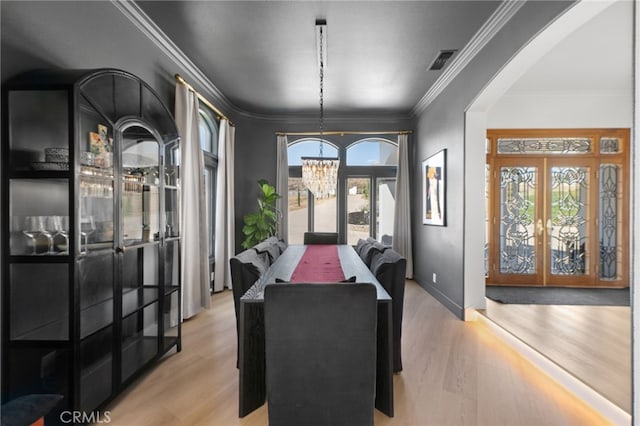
(246, 267)
(270, 247)
(320, 342)
(368, 250)
(360, 245)
(389, 267)
(321, 238)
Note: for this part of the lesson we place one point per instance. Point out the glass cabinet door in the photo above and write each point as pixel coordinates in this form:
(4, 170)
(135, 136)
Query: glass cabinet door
(94, 250)
(140, 187)
(95, 224)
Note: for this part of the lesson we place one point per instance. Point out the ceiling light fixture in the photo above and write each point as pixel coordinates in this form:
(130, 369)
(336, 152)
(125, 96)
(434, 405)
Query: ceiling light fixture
(320, 174)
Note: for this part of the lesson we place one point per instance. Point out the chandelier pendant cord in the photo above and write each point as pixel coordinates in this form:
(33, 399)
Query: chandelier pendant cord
(319, 174)
(321, 90)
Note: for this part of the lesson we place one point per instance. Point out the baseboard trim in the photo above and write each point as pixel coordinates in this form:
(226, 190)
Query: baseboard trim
(442, 298)
(595, 400)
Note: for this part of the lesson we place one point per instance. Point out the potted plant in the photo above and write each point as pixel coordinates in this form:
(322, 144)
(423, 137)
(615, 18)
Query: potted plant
(260, 225)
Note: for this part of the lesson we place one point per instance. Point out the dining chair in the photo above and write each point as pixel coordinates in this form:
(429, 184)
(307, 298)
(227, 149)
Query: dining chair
(320, 342)
(360, 245)
(246, 268)
(367, 252)
(321, 238)
(389, 267)
(270, 247)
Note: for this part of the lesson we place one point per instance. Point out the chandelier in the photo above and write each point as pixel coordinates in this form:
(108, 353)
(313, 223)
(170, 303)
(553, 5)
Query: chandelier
(320, 174)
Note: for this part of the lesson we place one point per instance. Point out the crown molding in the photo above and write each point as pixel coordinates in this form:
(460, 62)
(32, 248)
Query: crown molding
(143, 22)
(149, 28)
(496, 21)
(312, 118)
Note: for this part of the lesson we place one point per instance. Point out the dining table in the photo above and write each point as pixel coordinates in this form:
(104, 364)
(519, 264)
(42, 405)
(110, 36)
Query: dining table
(291, 264)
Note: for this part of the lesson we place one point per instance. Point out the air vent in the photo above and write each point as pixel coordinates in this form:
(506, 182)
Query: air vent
(442, 59)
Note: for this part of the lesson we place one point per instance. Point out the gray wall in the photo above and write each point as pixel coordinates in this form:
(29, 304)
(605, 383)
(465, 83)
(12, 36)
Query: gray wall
(86, 34)
(256, 151)
(95, 34)
(441, 125)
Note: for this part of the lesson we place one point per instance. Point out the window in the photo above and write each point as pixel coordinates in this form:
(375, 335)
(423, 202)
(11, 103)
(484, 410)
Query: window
(306, 213)
(209, 143)
(364, 203)
(372, 152)
(371, 189)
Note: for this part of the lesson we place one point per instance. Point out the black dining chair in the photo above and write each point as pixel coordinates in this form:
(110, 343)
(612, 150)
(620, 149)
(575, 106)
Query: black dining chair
(246, 268)
(368, 250)
(270, 247)
(389, 267)
(321, 238)
(360, 245)
(320, 342)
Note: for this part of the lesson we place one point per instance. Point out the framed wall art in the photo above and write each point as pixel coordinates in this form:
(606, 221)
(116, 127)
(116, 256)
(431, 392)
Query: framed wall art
(434, 206)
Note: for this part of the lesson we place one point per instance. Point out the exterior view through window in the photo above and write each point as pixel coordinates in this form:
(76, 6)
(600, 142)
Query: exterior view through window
(363, 203)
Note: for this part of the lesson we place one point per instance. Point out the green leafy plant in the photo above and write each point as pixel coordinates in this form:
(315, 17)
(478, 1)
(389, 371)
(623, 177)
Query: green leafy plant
(261, 224)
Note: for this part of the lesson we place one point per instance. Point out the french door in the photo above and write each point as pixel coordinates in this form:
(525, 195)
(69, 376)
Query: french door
(556, 220)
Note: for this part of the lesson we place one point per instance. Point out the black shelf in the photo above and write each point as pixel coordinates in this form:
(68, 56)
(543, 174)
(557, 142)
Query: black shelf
(40, 258)
(131, 299)
(96, 317)
(45, 332)
(85, 324)
(95, 383)
(136, 352)
(171, 289)
(40, 174)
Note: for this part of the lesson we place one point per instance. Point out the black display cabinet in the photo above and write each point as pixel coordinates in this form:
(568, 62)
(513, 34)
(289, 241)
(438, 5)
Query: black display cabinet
(91, 254)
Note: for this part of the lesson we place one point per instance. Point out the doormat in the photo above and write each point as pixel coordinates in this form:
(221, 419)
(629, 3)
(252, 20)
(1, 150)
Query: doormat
(559, 295)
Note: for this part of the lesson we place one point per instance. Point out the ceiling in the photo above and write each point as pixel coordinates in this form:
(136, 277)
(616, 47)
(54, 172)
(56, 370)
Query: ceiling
(262, 55)
(597, 57)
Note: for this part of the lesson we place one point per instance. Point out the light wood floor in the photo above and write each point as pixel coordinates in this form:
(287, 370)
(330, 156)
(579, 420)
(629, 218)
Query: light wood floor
(455, 373)
(593, 343)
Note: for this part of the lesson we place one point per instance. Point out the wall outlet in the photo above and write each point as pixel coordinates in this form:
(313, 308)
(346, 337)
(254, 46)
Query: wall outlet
(434, 277)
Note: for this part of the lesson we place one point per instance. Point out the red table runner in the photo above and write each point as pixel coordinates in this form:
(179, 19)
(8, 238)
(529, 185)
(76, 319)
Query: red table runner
(319, 263)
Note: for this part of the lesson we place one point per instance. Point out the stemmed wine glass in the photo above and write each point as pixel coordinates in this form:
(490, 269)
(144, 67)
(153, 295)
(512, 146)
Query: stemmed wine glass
(34, 227)
(87, 227)
(59, 228)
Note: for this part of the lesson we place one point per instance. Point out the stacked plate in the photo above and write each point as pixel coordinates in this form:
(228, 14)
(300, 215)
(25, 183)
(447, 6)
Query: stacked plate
(56, 159)
(56, 155)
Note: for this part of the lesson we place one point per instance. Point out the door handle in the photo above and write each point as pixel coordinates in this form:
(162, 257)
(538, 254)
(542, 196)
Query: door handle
(549, 227)
(539, 227)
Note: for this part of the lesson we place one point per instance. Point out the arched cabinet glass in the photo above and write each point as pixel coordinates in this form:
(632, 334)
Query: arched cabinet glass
(90, 279)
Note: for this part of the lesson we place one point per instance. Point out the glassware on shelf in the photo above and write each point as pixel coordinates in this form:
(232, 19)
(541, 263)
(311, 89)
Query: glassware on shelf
(17, 242)
(35, 229)
(87, 227)
(50, 227)
(60, 233)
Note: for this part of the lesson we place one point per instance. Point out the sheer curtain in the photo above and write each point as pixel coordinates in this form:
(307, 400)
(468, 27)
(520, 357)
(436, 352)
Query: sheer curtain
(225, 213)
(282, 188)
(402, 214)
(193, 224)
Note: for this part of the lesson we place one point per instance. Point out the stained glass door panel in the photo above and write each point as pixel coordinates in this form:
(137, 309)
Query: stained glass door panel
(557, 207)
(517, 217)
(543, 221)
(569, 222)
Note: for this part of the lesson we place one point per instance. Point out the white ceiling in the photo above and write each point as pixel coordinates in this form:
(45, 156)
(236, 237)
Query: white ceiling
(597, 57)
(262, 55)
